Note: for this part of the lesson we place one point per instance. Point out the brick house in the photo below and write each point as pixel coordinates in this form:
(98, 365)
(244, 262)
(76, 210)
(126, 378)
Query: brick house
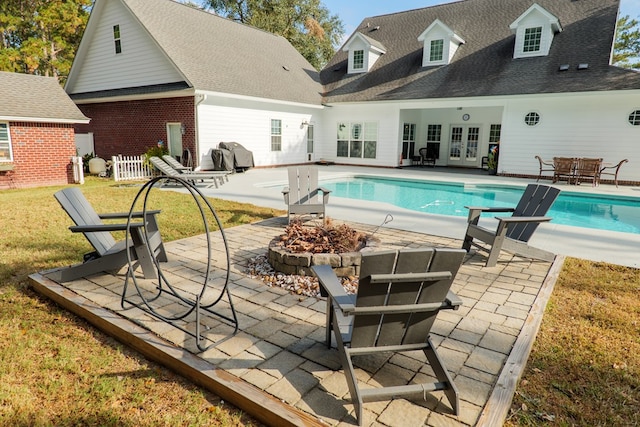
(37, 121)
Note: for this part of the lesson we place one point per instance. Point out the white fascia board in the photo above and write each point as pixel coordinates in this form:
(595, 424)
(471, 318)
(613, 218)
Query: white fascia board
(208, 94)
(136, 97)
(43, 120)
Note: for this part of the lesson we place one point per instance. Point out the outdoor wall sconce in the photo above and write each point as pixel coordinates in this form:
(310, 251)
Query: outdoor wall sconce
(304, 123)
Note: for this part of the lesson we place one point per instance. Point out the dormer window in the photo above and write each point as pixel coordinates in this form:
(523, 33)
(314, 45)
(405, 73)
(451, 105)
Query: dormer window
(436, 51)
(532, 37)
(363, 53)
(439, 44)
(358, 59)
(534, 31)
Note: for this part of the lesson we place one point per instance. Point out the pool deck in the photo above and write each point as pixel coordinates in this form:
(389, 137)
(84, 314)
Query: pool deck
(277, 366)
(263, 187)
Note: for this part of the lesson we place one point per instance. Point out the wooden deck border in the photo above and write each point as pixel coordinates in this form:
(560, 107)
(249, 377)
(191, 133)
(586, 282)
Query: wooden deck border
(232, 389)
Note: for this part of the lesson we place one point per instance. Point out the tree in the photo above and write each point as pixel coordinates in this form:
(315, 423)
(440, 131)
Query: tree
(307, 24)
(626, 49)
(41, 36)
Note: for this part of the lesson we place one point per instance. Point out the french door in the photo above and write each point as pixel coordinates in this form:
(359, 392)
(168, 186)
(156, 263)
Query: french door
(463, 145)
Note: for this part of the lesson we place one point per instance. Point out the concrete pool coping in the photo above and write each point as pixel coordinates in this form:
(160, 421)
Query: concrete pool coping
(263, 187)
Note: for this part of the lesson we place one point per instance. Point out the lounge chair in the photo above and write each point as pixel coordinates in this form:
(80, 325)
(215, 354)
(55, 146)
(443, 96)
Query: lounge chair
(588, 170)
(302, 194)
(399, 296)
(171, 161)
(214, 178)
(108, 254)
(564, 168)
(544, 167)
(613, 171)
(512, 233)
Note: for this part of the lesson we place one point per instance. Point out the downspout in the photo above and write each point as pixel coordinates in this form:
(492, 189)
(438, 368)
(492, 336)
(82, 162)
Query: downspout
(199, 99)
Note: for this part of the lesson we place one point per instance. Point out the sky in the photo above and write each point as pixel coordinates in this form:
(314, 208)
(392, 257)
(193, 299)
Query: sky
(352, 12)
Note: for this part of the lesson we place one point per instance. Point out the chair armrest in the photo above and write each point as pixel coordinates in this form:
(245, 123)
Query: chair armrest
(285, 194)
(524, 219)
(104, 227)
(330, 282)
(119, 215)
(490, 209)
(453, 300)
(325, 194)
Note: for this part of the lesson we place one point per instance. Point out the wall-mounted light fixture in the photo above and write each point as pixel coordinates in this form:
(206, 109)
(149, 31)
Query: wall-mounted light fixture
(183, 129)
(304, 123)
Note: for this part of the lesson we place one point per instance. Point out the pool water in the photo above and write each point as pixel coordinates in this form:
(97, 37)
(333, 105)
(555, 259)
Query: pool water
(574, 209)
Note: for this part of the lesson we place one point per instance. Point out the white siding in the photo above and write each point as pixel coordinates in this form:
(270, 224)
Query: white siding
(249, 123)
(141, 62)
(571, 125)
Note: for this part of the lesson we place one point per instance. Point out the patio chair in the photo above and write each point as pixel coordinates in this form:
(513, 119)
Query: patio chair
(427, 157)
(544, 167)
(564, 168)
(171, 161)
(588, 170)
(399, 296)
(302, 196)
(512, 233)
(214, 178)
(613, 171)
(109, 255)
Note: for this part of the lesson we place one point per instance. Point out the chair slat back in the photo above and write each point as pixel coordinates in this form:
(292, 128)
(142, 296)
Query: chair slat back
(536, 201)
(171, 161)
(76, 205)
(370, 330)
(564, 165)
(163, 167)
(589, 167)
(303, 185)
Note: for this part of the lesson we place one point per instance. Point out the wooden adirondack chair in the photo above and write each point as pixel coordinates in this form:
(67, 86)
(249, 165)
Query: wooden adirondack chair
(513, 233)
(399, 296)
(302, 194)
(108, 254)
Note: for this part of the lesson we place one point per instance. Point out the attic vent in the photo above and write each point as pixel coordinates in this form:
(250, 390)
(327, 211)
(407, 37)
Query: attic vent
(285, 68)
(583, 66)
(563, 67)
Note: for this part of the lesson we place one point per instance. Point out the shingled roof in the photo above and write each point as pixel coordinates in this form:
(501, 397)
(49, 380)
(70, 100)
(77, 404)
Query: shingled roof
(32, 98)
(218, 55)
(484, 64)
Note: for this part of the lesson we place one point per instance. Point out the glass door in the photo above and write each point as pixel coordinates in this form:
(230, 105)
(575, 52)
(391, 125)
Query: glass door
(463, 145)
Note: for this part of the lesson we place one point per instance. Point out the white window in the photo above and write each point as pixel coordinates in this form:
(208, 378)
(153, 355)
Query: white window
(358, 59)
(634, 119)
(532, 118)
(437, 50)
(310, 139)
(5, 143)
(532, 38)
(408, 140)
(357, 140)
(116, 39)
(276, 135)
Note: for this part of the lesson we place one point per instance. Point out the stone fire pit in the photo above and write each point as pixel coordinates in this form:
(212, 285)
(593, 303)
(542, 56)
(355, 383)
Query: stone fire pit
(286, 261)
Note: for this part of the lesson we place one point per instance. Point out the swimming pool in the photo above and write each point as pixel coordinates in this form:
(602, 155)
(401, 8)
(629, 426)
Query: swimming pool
(575, 209)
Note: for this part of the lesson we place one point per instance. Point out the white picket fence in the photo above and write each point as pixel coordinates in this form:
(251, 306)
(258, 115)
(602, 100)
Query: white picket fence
(131, 168)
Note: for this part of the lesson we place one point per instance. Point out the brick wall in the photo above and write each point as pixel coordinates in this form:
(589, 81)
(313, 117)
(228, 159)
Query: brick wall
(41, 155)
(131, 127)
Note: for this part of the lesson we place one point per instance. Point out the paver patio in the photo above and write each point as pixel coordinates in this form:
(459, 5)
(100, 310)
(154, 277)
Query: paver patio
(279, 349)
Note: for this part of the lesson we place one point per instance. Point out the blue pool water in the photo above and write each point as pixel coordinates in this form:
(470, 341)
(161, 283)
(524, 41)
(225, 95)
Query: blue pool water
(575, 209)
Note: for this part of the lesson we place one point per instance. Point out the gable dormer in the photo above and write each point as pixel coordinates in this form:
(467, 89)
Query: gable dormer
(439, 44)
(363, 53)
(534, 31)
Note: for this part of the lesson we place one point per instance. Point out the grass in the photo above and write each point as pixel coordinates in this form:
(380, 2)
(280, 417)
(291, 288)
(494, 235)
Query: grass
(58, 370)
(584, 369)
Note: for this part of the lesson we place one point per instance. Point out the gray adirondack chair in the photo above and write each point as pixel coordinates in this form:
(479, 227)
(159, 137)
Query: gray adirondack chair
(399, 296)
(211, 178)
(108, 254)
(302, 196)
(512, 233)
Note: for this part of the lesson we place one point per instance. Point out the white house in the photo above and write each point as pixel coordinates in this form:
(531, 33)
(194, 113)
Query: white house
(533, 76)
